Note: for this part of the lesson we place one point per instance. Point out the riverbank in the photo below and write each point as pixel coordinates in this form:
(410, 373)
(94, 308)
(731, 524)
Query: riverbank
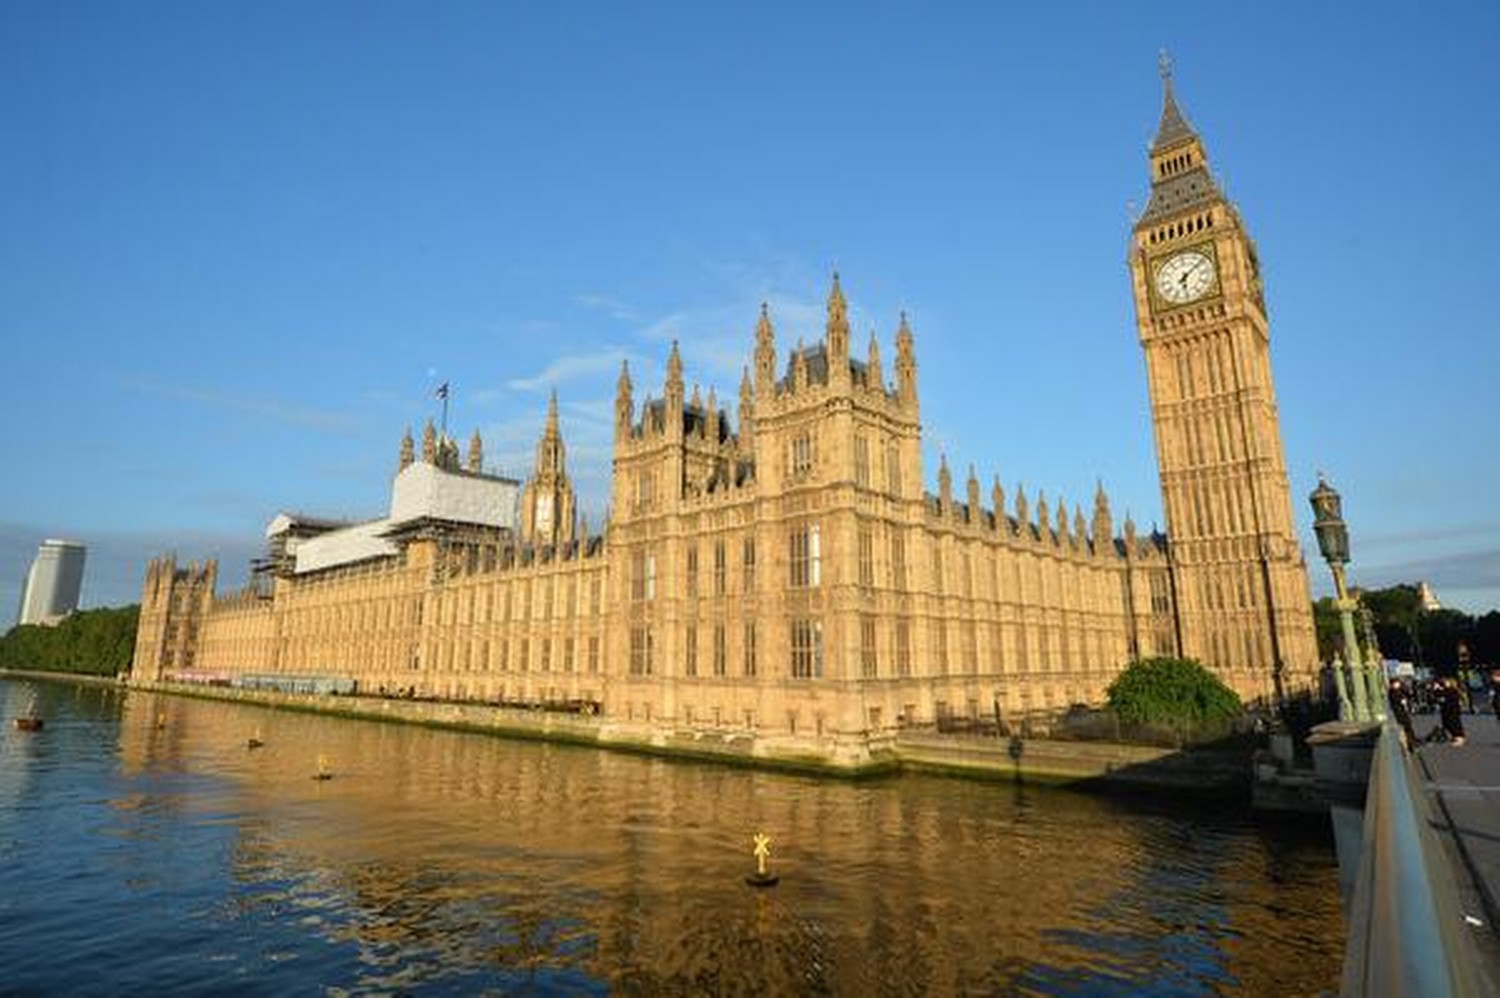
(1082, 765)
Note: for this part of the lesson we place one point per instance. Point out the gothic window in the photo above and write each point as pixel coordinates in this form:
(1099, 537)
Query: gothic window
(939, 642)
(893, 468)
(898, 559)
(594, 654)
(690, 651)
(720, 651)
(546, 665)
(806, 557)
(803, 456)
(749, 649)
(866, 556)
(692, 570)
(523, 658)
(645, 489)
(862, 460)
(747, 557)
(568, 655)
(937, 565)
(640, 651)
(867, 660)
(807, 648)
(903, 648)
(720, 567)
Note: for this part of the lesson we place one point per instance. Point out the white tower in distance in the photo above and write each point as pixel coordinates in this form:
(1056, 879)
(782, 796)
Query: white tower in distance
(54, 582)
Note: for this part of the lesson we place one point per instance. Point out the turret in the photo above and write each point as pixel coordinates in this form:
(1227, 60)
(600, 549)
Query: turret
(550, 452)
(997, 503)
(747, 413)
(765, 354)
(1043, 516)
(874, 375)
(624, 406)
(973, 496)
(408, 451)
(429, 443)
(1023, 514)
(837, 332)
(945, 485)
(1062, 522)
(906, 365)
(672, 394)
(476, 453)
(1080, 527)
(799, 369)
(1104, 527)
(711, 427)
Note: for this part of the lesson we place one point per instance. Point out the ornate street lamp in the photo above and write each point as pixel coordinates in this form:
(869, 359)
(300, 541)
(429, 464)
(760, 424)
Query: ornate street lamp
(1333, 542)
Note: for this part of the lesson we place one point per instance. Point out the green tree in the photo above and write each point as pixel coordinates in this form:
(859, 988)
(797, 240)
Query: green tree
(97, 642)
(1330, 633)
(1171, 691)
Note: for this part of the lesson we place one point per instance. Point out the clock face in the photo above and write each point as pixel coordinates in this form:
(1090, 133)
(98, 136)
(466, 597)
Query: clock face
(1185, 277)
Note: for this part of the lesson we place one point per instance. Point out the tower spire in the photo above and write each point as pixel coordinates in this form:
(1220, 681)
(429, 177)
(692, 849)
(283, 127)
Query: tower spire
(765, 353)
(624, 405)
(838, 333)
(906, 364)
(1174, 127)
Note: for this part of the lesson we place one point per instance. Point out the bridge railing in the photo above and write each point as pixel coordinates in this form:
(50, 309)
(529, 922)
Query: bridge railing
(1406, 936)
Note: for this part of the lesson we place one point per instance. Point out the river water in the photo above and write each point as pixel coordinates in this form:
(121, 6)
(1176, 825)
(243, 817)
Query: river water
(145, 848)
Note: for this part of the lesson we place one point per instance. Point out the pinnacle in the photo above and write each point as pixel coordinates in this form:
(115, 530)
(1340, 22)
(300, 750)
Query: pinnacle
(1174, 127)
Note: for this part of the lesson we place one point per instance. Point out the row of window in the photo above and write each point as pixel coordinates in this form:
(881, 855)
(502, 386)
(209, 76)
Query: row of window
(1185, 227)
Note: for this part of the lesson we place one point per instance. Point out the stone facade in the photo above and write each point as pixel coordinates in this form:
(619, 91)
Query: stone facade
(785, 576)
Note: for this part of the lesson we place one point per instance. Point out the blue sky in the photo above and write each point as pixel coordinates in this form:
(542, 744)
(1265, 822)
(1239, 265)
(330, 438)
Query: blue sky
(241, 243)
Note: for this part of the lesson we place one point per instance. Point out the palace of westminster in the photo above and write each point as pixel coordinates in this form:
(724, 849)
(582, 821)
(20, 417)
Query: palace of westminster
(784, 575)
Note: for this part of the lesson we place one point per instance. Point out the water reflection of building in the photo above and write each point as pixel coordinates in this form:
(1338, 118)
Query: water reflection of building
(783, 577)
(455, 854)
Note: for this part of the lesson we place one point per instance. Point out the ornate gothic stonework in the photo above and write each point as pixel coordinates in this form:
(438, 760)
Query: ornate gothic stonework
(783, 577)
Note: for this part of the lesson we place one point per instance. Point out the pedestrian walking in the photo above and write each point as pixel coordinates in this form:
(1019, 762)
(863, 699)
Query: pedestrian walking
(1451, 713)
(1401, 711)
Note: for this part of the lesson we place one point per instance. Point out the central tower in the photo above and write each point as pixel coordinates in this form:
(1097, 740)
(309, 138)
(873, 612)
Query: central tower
(1241, 584)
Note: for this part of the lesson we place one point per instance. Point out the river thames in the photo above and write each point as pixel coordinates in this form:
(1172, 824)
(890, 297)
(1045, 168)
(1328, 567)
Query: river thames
(145, 848)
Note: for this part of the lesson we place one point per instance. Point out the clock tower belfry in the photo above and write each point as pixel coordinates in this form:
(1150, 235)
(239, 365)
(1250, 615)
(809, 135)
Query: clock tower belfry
(1239, 577)
(548, 506)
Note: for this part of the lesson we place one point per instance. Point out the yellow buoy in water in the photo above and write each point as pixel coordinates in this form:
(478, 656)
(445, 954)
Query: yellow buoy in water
(762, 877)
(323, 773)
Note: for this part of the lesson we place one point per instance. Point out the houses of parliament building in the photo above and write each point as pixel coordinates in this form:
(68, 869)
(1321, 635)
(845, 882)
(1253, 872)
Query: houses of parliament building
(784, 575)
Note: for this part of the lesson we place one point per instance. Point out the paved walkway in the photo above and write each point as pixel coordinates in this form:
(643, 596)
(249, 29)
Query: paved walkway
(1465, 782)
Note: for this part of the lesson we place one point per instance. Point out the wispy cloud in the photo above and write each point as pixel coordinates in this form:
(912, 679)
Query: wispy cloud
(570, 367)
(610, 306)
(260, 407)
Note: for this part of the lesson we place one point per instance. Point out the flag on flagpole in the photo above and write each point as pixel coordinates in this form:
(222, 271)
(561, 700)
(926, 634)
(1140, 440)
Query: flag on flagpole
(442, 391)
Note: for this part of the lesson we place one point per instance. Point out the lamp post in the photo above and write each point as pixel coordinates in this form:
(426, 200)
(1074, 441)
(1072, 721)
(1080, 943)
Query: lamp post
(1333, 542)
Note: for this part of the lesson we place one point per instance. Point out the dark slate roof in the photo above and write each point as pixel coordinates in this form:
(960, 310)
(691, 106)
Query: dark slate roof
(816, 359)
(1186, 190)
(1174, 128)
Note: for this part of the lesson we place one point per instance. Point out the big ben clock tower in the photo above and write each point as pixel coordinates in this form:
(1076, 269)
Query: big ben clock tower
(1240, 580)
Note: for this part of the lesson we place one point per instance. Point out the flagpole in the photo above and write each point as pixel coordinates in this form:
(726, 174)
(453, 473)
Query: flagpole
(445, 410)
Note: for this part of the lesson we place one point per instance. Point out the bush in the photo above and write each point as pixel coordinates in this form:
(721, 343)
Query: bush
(1171, 691)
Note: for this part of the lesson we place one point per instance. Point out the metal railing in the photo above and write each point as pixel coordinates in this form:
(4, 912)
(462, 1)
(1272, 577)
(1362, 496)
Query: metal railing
(1406, 937)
